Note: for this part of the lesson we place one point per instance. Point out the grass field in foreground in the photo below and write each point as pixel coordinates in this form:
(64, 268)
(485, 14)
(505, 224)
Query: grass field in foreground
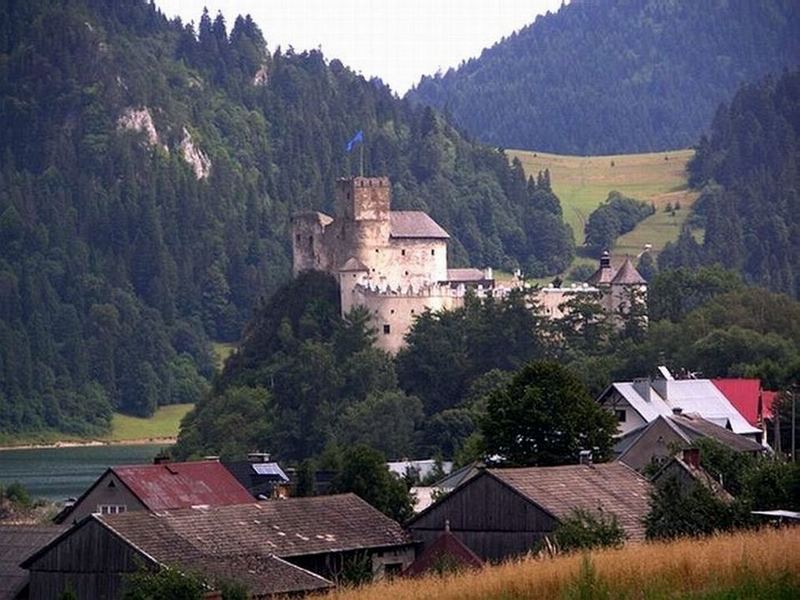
(583, 182)
(165, 423)
(752, 565)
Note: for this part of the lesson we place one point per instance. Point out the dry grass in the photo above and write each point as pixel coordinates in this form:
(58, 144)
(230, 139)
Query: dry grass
(662, 570)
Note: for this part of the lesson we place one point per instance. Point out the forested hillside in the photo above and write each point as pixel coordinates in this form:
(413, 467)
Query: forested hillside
(615, 76)
(749, 174)
(148, 173)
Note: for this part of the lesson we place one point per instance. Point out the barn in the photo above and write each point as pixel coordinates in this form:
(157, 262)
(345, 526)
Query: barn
(501, 513)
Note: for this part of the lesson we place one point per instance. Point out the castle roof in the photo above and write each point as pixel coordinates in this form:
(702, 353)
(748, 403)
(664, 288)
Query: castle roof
(603, 275)
(627, 274)
(415, 224)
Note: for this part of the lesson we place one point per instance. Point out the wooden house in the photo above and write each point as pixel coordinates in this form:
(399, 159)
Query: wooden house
(16, 543)
(501, 513)
(275, 547)
(157, 487)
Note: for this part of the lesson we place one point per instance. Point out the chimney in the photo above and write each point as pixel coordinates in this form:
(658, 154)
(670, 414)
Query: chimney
(691, 456)
(585, 457)
(162, 458)
(258, 457)
(642, 387)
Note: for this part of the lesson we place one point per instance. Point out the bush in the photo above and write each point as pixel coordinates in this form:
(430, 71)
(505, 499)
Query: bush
(584, 530)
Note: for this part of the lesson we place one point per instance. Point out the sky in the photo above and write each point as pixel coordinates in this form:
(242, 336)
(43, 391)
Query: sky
(396, 40)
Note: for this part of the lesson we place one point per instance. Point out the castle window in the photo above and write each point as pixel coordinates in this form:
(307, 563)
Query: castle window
(433, 251)
(348, 195)
(297, 238)
(392, 311)
(376, 250)
(311, 240)
(387, 329)
(406, 272)
(412, 311)
(403, 252)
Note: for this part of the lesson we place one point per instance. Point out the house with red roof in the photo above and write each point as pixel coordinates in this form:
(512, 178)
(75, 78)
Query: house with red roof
(157, 487)
(747, 397)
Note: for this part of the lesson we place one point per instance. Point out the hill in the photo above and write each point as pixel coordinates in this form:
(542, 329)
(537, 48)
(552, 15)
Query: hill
(616, 76)
(148, 173)
(748, 173)
(583, 182)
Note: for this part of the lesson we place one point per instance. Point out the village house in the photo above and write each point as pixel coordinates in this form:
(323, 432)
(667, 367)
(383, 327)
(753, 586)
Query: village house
(157, 487)
(638, 402)
(260, 476)
(659, 440)
(275, 547)
(752, 401)
(685, 469)
(16, 543)
(501, 513)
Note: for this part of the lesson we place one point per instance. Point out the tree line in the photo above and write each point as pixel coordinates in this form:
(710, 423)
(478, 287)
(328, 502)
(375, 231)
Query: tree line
(617, 76)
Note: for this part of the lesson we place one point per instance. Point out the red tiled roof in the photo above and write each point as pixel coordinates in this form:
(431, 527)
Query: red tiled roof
(447, 550)
(745, 395)
(182, 485)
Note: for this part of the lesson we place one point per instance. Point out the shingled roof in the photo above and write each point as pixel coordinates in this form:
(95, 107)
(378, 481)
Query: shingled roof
(157, 543)
(16, 543)
(612, 488)
(627, 274)
(415, 224)
(285, 528)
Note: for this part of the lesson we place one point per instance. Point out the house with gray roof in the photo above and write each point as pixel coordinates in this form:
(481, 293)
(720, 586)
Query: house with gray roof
(501, 513)
(277, 547)
(658, 441)
(639, 402)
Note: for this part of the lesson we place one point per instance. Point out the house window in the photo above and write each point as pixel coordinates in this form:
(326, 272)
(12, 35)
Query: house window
(622, 415)
(111, 509)
(387, 329)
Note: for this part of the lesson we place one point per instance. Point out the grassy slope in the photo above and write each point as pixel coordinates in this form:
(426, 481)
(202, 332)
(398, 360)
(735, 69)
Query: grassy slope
(764, 564)
(163, 424)
(583, 182)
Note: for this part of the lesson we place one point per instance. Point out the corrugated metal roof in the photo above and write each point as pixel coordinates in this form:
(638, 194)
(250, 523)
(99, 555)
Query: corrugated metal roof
(745, 395)
(415, 224)
(177, 485)
(610, 488)
(17, 542)
(698, 396)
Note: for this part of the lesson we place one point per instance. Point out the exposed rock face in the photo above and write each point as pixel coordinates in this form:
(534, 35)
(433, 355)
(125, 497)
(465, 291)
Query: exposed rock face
(262, 76)
(194, 156)
(141, 120)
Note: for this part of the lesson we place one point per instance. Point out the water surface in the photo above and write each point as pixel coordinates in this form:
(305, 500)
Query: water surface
(59, 473)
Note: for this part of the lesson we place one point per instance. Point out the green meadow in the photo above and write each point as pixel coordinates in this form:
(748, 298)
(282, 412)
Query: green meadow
(583, 182)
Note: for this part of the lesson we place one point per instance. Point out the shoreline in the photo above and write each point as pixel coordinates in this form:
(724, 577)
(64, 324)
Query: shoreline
(91, 443)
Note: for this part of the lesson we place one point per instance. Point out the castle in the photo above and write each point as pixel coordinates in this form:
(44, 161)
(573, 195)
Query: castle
(616, 289)
(394, 263)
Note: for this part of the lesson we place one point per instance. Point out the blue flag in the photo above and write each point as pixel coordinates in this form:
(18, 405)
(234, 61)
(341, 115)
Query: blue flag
(358, 137)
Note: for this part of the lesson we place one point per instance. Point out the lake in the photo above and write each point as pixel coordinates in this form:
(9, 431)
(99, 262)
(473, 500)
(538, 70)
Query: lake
(59, 473)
